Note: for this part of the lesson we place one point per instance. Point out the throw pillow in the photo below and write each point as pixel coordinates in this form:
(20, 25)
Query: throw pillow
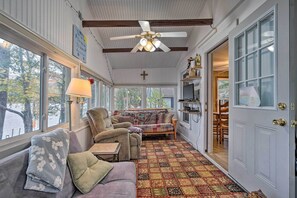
(86, 170)
(161, 118)
(125, 119)
(115, 119)
(150, 118)
(168, 117)
(133, 129)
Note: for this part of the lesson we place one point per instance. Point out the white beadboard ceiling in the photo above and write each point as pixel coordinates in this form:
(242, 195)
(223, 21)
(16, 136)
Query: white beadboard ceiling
(144, 10)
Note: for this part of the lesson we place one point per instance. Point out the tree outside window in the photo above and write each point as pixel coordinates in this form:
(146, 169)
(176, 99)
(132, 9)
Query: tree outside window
(19, 90)
(58, 81)
(160, 97)
(127, 98)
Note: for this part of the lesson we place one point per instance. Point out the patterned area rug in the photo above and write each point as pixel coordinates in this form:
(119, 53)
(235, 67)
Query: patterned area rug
(169, 168)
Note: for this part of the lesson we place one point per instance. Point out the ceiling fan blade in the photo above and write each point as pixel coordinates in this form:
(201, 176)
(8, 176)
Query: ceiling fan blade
(124, 37)
(136, 48)
(172, 34)
(145, 25)
(164, 47)
(140, 48)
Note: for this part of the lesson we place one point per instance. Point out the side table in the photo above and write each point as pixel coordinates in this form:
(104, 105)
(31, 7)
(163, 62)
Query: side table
(102, 149)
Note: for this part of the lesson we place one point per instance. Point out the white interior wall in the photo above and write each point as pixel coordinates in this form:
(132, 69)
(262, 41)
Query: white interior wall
(155, 76)
(53, 21)
(224, 21)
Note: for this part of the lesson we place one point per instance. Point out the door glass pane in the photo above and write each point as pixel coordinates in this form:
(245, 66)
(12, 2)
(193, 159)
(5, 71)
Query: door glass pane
(267, 61)
(240, 70)
(252, 66)
(267, 30)
(252, 42)
(253, 83)
(239, 46)
(58, 81)
(19, 90)
(267, 92)
(238, 88)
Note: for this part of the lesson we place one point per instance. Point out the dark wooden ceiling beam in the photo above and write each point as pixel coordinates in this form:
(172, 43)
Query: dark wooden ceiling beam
(120, 50)
(134, 23)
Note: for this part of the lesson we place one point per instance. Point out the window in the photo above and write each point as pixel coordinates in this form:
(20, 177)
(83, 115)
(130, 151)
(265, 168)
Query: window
(185, 116)
(59, 78)
(105, 97)
(19, 90)
(89, 103)
(160, 97)
(255, 65)
(127, 98)
(223, 89)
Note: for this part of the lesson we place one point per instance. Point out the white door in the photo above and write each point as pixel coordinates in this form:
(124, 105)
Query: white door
(259, 154)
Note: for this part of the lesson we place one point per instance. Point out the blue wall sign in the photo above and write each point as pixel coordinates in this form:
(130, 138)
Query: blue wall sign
(79, 48)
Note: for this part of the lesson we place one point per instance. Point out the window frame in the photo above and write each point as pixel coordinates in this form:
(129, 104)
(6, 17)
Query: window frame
(64, 124)
(88, 100)
(21, 36)
(26, 46)
(144, 94)
(257, 51)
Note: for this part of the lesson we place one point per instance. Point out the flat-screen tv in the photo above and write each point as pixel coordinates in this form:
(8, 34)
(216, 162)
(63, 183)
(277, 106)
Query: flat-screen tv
(188, 92)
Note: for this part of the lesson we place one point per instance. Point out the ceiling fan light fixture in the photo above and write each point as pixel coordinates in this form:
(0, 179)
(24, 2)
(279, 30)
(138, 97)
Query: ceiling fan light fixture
(149, 46)
(143, 42)
(153, 49)
(156, 43)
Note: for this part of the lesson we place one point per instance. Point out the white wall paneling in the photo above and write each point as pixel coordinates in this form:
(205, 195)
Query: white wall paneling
(53, 21)
(155, 76)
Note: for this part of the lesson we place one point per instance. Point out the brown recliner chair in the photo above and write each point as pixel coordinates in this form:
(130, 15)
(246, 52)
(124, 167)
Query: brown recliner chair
(104, 131)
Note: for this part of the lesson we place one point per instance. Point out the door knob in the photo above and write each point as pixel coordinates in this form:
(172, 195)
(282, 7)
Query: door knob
(280, 122)
(282, 106)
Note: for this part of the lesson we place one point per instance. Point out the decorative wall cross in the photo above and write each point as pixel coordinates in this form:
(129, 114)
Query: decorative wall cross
(144, 75)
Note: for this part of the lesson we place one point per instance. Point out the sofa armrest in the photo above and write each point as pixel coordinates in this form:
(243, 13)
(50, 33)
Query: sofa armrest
(110, 134)
(122, 125)
(174, 122)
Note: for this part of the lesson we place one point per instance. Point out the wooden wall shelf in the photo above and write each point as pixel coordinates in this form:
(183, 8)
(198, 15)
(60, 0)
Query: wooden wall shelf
(189, 112)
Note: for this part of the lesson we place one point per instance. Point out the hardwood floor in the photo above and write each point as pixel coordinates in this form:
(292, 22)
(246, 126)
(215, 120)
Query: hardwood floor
(220, 153)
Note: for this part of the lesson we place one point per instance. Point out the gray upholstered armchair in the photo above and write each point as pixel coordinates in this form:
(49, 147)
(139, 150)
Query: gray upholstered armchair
(104, 131)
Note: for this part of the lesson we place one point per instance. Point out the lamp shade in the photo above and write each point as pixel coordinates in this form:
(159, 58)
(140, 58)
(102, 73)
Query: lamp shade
(79, 88)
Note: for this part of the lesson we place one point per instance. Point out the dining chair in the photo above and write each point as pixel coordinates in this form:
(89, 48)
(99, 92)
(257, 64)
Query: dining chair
(223, 119)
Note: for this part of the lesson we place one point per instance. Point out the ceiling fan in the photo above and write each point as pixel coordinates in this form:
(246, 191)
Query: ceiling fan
(148, 39)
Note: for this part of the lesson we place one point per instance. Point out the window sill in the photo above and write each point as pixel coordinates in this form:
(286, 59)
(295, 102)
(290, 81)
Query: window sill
(15, 144)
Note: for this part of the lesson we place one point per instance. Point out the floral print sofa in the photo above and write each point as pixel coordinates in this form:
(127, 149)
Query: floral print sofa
(151, 121)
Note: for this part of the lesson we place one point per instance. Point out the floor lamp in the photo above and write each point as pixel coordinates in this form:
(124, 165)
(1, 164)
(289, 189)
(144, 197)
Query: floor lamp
(78, 88)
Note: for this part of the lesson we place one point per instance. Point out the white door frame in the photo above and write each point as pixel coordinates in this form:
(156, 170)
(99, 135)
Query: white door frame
(210, 106)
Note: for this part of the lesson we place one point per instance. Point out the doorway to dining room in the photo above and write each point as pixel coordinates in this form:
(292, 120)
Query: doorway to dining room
(218, 104)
